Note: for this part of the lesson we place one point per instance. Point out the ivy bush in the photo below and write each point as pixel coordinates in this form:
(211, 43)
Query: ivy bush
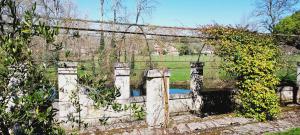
(252, 59)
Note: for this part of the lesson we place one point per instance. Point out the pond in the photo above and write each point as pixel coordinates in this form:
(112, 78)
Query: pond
(136, 92)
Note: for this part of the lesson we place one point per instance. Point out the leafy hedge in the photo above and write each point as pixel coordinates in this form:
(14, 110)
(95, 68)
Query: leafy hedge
(252, 59)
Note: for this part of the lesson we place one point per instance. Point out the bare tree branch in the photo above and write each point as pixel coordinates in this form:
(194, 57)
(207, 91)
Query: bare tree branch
(271, 11)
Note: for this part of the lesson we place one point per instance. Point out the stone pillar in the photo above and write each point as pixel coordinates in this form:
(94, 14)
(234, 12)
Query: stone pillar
(196, 84)
(298, 82)
(157, 94)
(67, 82)
(122, 81)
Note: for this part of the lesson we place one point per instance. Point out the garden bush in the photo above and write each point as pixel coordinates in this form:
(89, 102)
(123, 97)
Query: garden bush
(252, 59)
(26, 95)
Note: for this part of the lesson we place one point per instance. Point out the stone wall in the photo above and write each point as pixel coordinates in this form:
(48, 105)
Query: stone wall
(157, 101)
(177, 102)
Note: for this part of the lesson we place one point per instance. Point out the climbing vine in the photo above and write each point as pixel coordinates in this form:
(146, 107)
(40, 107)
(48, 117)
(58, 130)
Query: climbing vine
(252, 59)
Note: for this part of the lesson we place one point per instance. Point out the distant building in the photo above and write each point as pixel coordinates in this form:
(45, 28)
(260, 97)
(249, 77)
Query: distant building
(171, 50)
(166, 50)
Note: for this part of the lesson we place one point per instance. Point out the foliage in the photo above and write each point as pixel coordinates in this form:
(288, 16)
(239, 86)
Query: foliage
(294, 131)
(271, 11)
(252, 59)
(102, 43)
(104, 96)
(26, 96)
(75, 101)
(184, 50)
(289, 26)
(98, 91)
(138, 111)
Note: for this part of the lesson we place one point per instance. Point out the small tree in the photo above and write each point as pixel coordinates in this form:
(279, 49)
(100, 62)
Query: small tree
(287, 30)
(26, 96)
(252, 59)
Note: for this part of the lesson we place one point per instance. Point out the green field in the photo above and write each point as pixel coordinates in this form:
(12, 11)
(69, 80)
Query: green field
(179, 67)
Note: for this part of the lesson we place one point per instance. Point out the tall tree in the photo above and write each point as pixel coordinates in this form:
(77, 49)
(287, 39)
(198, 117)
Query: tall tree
(102, 42)
(116, 6)
(271, 11)
(142, 7)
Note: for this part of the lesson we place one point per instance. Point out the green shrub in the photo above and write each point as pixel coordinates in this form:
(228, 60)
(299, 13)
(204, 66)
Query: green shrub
(26, 95)
(184, 50)
(252, 59)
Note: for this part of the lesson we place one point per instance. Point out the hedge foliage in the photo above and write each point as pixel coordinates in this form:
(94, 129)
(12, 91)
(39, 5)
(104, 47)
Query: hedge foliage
(252, 59)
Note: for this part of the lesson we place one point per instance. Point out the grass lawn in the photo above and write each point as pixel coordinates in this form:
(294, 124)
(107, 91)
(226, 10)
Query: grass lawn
(294, 131)
(180, 68)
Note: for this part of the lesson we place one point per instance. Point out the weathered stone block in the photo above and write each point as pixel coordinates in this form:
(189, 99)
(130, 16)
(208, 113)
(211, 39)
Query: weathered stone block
(157, 83)
(196, 84)
(286, 93)
(180, 103)
(67, 82)
(122, 81)
(67, 79)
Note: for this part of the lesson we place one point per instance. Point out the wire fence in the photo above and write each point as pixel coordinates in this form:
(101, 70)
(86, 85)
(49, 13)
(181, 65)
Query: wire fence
(172, 52)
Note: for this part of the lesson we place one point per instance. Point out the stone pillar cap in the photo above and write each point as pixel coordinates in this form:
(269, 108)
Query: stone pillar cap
(67, 68)
(197, 64)
(156, 73)
(67, 64)
(121, 65)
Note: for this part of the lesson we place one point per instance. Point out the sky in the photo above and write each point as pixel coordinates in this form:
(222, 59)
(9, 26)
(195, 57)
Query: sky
(186, 13)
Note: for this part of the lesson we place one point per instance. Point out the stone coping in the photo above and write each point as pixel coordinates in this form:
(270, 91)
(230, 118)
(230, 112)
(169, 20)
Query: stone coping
(141, 99)
(67, 64)
(197, 64)
(156, 73)
(121, 65)
(63, 71)
(180, 96)
(137, 99)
